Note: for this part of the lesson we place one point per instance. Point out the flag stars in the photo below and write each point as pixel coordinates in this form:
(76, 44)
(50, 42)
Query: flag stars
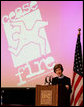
(80, 65)
(78, 57)
(81, 69)
(77, 69)
(76, 62)
(78, 54)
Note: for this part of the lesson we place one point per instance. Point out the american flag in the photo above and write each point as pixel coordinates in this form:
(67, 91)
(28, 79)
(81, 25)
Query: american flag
(77, 80)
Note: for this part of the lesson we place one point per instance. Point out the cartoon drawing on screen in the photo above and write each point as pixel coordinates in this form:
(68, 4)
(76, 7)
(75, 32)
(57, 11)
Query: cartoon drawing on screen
(27, 39)
(26, 36)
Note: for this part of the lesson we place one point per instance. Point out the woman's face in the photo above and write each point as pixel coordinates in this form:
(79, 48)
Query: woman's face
(58, 72)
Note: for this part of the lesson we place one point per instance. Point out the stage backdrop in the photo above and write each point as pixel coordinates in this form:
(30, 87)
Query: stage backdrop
(35, 36)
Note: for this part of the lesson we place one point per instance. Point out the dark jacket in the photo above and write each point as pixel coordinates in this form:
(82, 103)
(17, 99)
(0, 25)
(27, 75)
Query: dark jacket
(64, 99)
(63, 81)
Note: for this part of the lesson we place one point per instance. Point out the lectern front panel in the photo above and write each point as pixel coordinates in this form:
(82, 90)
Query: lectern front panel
(47, 95)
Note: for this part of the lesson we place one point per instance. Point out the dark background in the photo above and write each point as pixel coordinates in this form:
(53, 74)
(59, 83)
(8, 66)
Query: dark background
(18, 96)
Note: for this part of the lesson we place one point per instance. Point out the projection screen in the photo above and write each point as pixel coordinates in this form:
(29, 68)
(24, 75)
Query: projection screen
(36, 35)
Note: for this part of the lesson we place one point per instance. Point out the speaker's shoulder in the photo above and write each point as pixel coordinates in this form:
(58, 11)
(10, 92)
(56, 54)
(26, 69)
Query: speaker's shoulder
(66, 77)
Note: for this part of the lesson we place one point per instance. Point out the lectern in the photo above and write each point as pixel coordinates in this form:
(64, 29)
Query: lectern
(51, 95)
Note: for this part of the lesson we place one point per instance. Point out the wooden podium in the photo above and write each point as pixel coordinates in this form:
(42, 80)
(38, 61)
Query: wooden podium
(51, 95)
(47, 95)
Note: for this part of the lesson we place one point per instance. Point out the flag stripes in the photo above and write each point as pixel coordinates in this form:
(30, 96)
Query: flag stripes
(77, 90)
(76, 97)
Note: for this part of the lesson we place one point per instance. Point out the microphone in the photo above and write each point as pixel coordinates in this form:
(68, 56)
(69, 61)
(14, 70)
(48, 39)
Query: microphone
(48, 80)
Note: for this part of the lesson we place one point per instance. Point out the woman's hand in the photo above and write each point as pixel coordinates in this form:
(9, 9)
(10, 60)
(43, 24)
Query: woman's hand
(67, 86)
